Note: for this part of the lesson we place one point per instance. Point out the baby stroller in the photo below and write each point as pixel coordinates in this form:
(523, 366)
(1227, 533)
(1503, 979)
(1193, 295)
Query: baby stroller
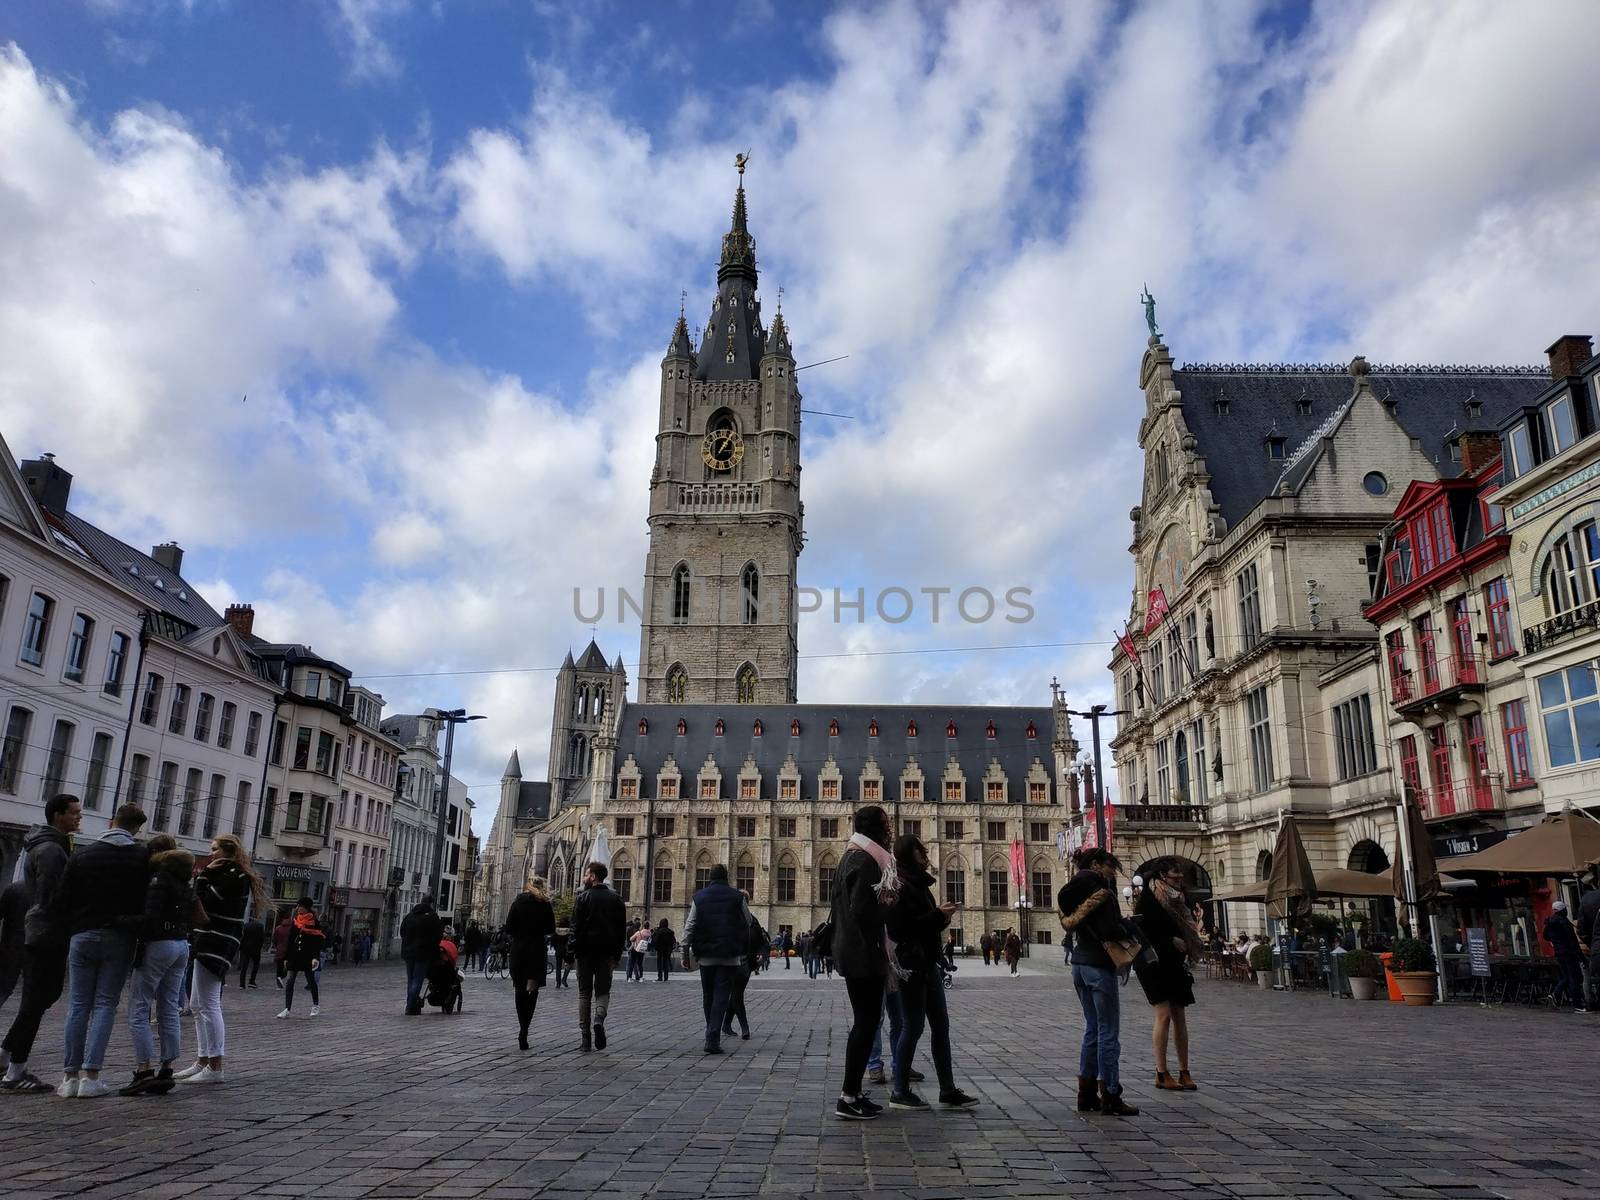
(444, 980)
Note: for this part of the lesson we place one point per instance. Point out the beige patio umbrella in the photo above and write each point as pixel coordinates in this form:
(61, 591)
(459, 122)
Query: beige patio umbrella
(1563, 844)
(1425, 869)
(1354, 885)
(1249, 891)
(1291, 888)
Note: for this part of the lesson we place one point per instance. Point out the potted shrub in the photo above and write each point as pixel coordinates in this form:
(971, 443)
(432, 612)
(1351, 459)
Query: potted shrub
(1261, 964)
(1363, 970)
(1415, 971)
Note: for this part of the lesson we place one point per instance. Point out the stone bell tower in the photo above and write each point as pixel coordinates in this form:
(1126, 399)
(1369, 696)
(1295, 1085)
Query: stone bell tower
(725, 512)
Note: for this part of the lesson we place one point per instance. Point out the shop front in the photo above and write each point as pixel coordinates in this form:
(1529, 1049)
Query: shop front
(287, 882)
(356, 914)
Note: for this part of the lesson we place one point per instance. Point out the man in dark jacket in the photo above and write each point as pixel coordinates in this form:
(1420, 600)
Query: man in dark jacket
(420, 934)
(1589, 934)
(599, 929)
(859, 949)
(102, 899)
(718, 932)
(14, 902)
(1563, 939)
(44, 955)
(663, 941)
(1089, 913)
(251, 939)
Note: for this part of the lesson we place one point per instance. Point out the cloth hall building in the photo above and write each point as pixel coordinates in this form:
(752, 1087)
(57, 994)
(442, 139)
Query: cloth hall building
(718, 762)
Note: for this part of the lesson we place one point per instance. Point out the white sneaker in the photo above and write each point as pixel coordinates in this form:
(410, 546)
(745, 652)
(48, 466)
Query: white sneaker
(90, 1089)
(67, 1089)
(315, 1009)
(205, 1075)
(283, 1015)
(191, 1069)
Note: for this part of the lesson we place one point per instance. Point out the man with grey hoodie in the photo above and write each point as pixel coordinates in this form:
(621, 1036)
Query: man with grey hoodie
(44, 964)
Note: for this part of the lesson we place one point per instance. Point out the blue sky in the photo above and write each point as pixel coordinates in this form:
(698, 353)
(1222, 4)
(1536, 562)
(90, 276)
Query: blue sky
(439, 247)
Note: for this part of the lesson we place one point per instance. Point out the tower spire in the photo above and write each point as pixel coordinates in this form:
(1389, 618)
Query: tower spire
(738, 247)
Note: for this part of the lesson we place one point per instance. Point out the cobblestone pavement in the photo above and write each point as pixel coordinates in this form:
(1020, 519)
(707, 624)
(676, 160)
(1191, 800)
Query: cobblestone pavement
(1301, 1095)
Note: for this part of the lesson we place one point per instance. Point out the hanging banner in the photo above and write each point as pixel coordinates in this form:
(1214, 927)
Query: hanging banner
(1128, 647)
(1019, 871)
(1156, 609)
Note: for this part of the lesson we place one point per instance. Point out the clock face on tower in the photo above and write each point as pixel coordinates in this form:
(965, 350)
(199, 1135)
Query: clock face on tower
(722, 448)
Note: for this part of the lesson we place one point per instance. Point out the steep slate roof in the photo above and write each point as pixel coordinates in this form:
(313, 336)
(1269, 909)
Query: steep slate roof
(174, 596)
(1263, 402)
(593, 660)
(533, 801)
(402, 727)
(892, 748)
(736, 304)
(513, 767)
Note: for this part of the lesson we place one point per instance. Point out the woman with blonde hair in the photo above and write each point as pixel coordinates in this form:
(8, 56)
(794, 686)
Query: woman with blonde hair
(530, 921)
(225, 889)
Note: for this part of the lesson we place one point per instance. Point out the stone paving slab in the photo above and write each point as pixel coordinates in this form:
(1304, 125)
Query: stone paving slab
(1301, 1096)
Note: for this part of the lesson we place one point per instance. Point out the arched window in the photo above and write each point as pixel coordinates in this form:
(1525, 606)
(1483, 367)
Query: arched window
(719, 729)
(575, 755)
(680, 594)
(599, 704)
(677, 683)
(750, 587)
(833, 727)
(744, 684)
(580, 704)
(794, 727)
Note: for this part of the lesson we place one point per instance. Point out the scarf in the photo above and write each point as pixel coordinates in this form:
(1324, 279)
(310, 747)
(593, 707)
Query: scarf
(888, 890)
(1178, 909)
(306, 922)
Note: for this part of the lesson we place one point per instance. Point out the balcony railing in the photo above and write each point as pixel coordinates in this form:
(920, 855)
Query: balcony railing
(1583, 619)
(1441, 677)
(1462, 796)
(1161, 814)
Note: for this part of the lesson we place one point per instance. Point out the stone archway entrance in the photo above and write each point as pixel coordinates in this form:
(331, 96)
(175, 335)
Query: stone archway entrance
(1365, 917)
(1196, 884)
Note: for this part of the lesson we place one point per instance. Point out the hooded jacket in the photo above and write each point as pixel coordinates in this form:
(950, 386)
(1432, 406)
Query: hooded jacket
(915, 922)
(104, 883)
(1089, 912)
(1561, 935)
(47, 850)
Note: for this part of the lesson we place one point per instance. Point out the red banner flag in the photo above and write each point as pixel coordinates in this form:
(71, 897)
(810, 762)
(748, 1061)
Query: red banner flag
(1019, 872)
(1128, 647)
(1157, 608)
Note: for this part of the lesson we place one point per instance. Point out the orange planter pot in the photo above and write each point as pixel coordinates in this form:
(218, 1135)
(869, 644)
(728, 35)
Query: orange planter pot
(1416, 987)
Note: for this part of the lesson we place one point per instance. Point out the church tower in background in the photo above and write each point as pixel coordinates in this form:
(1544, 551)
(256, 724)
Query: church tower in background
(725, 512)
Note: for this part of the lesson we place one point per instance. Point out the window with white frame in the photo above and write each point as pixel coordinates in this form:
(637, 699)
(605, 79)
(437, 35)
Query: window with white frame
(1163, 770)
(1249, 608)
(1569, 709)
(1257, 720)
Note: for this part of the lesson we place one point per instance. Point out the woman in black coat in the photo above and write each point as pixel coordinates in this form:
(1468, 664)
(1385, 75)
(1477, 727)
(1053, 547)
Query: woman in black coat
(529, 923)
(1163, 917)
(916, 925)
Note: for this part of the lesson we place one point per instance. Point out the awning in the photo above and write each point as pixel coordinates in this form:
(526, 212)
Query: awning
(1564, 843)
(1355, 885)
(1253, 891)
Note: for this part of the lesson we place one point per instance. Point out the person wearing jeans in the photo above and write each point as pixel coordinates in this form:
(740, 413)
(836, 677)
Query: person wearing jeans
(102, 897)
(896, 1013)
(420, 934)
(599, 939)
(718, 933)
(1089, 913)
(158, 977)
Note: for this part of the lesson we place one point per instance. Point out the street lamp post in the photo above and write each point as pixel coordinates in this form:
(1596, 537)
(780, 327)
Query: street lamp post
(451, 718)
(1024, 906)
(1096, 711)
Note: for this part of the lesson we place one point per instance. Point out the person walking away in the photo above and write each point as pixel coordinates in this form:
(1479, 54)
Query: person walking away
(718, 934)
(663, 941)
(251, 940)
(305, 952)
(986, 945)
(598, 920)
(281, 933)
(419, 940)
(14, 901)
(1563, 939)
(637, 945)
(741, 980)
(163, 956)
(46, 849)
(561, 943)
(102, 898)
(785, 945)
(1013, 951)
(1089, 914)
(916, 925)
(865, 885)
(1588, 923)
(225, 889)
(1165, 919)
(529, 921)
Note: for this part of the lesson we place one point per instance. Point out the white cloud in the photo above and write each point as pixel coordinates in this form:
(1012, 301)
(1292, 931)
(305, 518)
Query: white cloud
(361, 25)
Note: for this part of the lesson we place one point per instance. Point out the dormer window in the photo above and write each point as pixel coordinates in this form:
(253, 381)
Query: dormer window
(718, 728)
(950, 730)
(1220, 403)
(989, 731)
(833, 727)
(1519, 448)
(911, 729)
(872, 727)
(1303, 404)
(644, 726)
(1563, 427)
(756, 728)
(683, 727)
(1275, 447)
(1474, 407)
(1452, 448)
(1033, 732)
(794, 728)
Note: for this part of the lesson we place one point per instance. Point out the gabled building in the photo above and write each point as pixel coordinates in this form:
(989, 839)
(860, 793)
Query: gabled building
(1455, 703)
(358, 900)
(1257, 544)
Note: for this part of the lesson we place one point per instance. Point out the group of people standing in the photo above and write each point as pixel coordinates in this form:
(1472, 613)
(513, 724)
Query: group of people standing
(116, 914)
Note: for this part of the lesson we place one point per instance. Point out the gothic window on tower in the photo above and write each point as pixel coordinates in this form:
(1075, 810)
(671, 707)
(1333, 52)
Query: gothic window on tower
(750, 586)
(680, 594)
(677, 684)
(745, 684)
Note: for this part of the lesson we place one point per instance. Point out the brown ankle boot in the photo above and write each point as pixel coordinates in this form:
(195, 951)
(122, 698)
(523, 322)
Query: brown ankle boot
(1111, 1103)
(1186, 1082)
(1167, 1083)
(1088, 1094)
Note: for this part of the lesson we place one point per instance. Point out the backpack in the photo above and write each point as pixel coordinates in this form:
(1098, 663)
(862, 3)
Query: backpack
(822, 940)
